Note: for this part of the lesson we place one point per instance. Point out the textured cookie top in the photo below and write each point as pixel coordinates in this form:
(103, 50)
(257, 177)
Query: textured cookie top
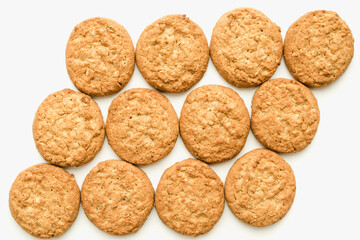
(117, 197)
(214, 123)
(172, 53)
(68, 128)
(142, 126)
(246, 47)
(260, 188)
(100, 56)
(190, 197)
(285, 115)
(318, 48)
(44, 200)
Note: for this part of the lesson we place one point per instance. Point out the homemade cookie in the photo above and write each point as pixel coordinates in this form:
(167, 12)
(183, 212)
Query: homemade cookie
(260, 188)
(284, 115)
(190, 197)
(44, 200)
(246, 47)
(100, 56)
(142, 126)
(68, 128)
(172, 53)
(117, 197)
(318, 48)
(214, 123)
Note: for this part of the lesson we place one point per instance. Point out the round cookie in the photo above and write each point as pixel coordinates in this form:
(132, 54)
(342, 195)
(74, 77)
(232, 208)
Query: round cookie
(100, 56)
(284, 115)
(190, 197)
(68, 128)
(142, 126)
(117, 197)
(246, 47)
(214, 123)
(318, 48)
(260, 188)
(44, 200)
(172, 53)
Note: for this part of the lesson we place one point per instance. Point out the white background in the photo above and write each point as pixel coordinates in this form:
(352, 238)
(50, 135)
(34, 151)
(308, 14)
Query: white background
(33, 37)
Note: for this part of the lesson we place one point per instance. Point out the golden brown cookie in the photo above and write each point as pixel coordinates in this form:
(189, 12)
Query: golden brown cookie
(142, 126)
(284, 115)
(172, 53)
(117, 197)
(260, 188)
(190, 197)
(68, 128)
(100, 56)
(214, 123)
(44, 200)
(318, 48)
(246, 47)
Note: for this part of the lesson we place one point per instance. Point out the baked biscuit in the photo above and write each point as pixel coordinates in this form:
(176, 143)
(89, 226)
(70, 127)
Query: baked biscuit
(190, 197)
(100, 56)
(68, 128)
(284, 115)
(318, 48)
(172, 53)
(246, 47)
(117, 197)
(260, 188)
(142, 126)
(214, 123)
(44, 200)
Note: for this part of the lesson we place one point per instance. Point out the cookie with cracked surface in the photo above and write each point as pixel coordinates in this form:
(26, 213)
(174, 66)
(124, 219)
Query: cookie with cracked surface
(117, 197)
(68, 128)
(44, 200)
(100, 56)
(318, 48)
(284, 115)
(246, 47)
(260, 188)
(142, 126)
(214, 123)
(172, 53)
(190, 197)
